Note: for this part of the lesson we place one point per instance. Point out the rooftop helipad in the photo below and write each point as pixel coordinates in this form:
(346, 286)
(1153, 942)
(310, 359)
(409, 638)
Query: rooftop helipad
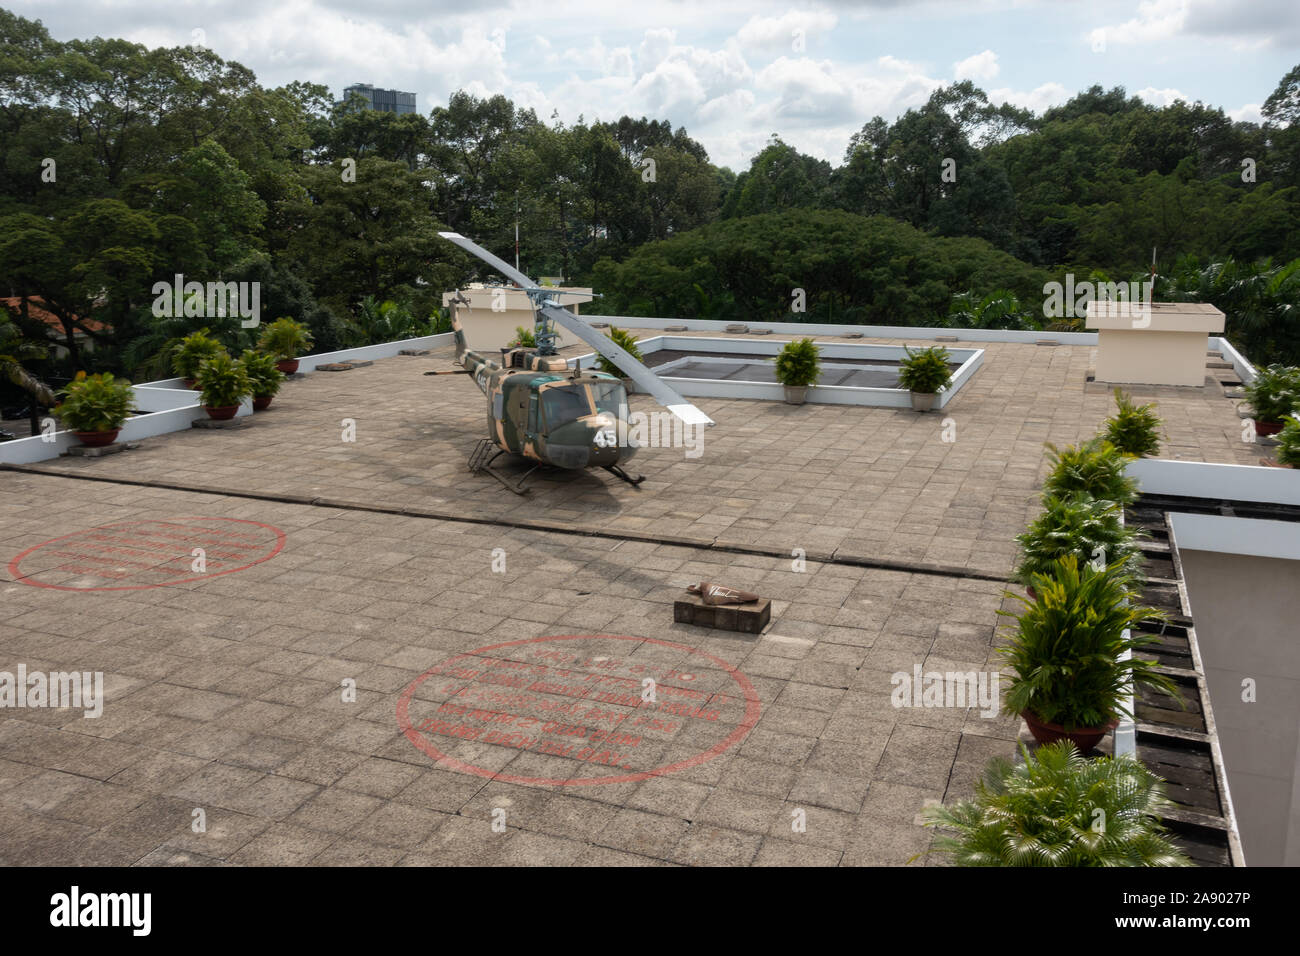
(368, 565)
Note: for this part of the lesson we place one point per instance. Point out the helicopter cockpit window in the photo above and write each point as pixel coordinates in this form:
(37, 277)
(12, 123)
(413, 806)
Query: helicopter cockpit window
(610, 396)
(562, 405)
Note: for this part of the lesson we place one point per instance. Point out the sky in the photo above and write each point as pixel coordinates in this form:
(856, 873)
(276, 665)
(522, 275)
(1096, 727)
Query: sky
(732, 73)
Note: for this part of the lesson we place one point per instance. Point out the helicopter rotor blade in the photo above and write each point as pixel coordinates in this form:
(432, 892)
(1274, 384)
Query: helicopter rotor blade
(644, 378)
(507, 270)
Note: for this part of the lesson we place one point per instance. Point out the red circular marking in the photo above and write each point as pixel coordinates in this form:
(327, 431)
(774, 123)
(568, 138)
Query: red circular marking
(753, 707)
(15, 566)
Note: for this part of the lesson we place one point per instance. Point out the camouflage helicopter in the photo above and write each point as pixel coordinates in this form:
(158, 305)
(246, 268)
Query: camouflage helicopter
(541, 409)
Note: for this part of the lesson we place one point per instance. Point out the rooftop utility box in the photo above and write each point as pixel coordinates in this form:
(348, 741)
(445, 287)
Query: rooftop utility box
(494, 312)
(1155, 343)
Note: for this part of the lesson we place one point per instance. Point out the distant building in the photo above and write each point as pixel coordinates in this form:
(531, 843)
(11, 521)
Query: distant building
(387, 101)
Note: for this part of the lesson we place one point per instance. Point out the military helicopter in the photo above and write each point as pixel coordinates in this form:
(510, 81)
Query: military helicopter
(541, 409)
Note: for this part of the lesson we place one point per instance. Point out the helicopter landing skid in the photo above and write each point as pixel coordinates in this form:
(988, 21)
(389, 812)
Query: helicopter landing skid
(480, 462)
(618, 472)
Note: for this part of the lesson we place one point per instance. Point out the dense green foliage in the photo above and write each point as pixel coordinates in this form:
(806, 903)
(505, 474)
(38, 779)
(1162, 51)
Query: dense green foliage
(192, 351)
(1090, 529)
(264, 379)
(96, 403)
(1095, 467)
(223, 382)
(627, 341)
(1274, 392)
(122, 167)
(1059, 809)
(285, 339)
(925, 370)
(1288, 443)
(798, 364)
(1065, 649)
(1133, 429)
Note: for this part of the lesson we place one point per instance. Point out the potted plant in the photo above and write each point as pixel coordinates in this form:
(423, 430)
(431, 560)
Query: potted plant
(1288, 442)
(624, 339)
(925, 373)
(95, 407)
(1133, 429)
(523, 339)
(1095, 467)
(286, 340)
(190, 352)
(1273, 394)
(798, 365)
(223, 384)
(1043, 812)
(1069, 679)
(263, 377)
(1091, 529)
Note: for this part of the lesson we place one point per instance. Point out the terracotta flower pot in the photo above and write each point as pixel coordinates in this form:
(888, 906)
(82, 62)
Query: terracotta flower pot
(923, 401)
(189, 383)
(796, 394)
(287, 366)
(1085, 738)
(98, 439)
(1265, 429)
(262, 402)
(222, 413)
(1033, 595)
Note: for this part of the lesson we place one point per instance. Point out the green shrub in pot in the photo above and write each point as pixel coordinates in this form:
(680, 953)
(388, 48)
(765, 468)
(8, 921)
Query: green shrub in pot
(925, 373)
(191, 352)
(1091, 529)
(286, 340)
(223, 385)
(1065, 652)
(95, 407)
(1273, 394)
(1044, 812)
(798, 365)
(1288, 442)
(1133, 429)
(263, 377)
(1095, 467)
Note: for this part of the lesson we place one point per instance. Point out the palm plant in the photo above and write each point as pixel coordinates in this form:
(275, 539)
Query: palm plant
(1273, 393)
(388, 321)
(1091, 529)
(263, 377)
(1095, 467)
(1067, 649)
(524, 339)
(627, 342)
(285, 339)
(1060, 809)
(192, 351)
(222, 382)
(1288, 443)
(1133, 429)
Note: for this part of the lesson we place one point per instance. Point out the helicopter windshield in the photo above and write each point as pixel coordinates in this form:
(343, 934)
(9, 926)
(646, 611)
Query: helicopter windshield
(563, 405)
(609, 396)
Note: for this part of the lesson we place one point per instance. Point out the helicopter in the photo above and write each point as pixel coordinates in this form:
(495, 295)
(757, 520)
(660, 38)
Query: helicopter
(539, 408)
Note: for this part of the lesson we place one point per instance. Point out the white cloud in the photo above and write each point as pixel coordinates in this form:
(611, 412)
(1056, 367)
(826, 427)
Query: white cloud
(982, 66)
(1038, 99)
(788, 32)
(1249, 113)
(1162, 97)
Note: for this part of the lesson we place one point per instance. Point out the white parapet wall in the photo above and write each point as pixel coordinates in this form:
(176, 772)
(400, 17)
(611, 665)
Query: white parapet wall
(970, 359)
(1199, 479)
(168, 406)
